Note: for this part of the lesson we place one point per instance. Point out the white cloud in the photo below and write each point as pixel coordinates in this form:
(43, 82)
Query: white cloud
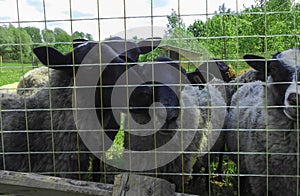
(8, 9)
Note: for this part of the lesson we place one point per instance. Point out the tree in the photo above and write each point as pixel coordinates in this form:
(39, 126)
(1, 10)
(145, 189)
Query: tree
(89, 37)
(264, 28)
(6, 39)
(174, 20)
(198, 28)
(48, 36)
(273, 21)
(35, 34)
(63, 41)
(81, 35)
(20, 48)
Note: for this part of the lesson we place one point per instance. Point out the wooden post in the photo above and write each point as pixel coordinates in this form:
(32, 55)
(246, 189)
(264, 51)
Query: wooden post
(131, 185)
(1, 64)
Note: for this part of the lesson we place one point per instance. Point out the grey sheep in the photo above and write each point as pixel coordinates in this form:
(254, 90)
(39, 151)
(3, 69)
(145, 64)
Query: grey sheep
(39, 132)
(262, 130)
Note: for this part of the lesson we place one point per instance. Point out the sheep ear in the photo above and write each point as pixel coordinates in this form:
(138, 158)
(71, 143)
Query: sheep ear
(196, 78)
(149, 44)
(78, 42)
(199, 77)
(118, 45)
(257, 62)
(49, 56)
(52, 58)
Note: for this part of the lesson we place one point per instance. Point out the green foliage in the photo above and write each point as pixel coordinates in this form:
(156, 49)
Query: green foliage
(63, 41)
(48, 36)
(35, 34)
(17, 44)
(263, 29)
(152, 55)
(81, 35)
(5, 40)
(174, 21)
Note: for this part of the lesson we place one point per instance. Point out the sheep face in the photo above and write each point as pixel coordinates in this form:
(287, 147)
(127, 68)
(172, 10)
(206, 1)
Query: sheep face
(284, 72)
(292, 94)
(167, 76)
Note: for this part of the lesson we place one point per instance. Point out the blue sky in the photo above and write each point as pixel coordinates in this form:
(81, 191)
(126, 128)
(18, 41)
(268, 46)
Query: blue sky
(138, 13)
(159, 3)
(38, 5)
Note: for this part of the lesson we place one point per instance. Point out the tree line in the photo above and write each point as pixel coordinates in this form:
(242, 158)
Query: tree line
(16, 44)
(265, 28)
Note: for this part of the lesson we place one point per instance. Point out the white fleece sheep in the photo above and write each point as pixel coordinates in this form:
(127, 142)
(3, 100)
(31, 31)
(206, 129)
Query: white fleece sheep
(33, 80)
(262, 127)
(30, 83)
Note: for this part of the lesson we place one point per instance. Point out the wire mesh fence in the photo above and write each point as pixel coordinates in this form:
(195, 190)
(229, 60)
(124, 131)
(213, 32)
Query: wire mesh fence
(200, 94)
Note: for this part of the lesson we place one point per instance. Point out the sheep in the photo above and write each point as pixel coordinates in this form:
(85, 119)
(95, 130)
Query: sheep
(262, 127)
(35, 151)
(186, 113)
(34, 79)
(38, 133)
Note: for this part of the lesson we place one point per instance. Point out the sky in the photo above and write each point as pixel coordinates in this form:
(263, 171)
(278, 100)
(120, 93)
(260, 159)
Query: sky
(85, 13)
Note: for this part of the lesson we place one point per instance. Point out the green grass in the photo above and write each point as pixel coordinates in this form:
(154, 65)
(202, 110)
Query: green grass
(12, 72)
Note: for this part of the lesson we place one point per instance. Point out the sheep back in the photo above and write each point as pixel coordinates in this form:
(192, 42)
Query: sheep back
(41, 131)
(248, 76)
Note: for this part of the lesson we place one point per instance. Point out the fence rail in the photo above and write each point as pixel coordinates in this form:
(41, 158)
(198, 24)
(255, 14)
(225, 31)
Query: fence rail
(29, 184)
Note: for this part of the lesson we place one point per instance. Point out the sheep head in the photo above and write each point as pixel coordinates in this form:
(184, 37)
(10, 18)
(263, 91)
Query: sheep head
(100, 61)
(168, 78)
(284, 72)
(214, 68)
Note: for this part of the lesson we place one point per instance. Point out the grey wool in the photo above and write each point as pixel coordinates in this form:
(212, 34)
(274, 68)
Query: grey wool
(248, 76)
(257, 125)
(39, 133)
(262, 128)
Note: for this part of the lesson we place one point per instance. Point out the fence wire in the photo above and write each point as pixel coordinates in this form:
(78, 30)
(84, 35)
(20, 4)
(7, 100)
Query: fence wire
(79, 99)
